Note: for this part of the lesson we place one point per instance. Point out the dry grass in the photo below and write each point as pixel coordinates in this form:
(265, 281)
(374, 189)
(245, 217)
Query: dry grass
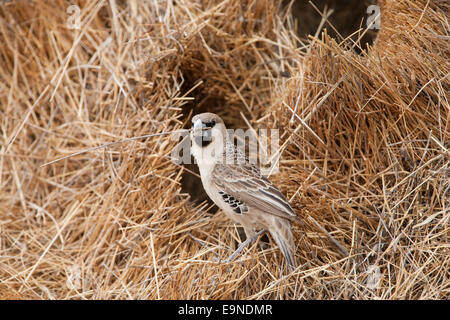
(365, 157)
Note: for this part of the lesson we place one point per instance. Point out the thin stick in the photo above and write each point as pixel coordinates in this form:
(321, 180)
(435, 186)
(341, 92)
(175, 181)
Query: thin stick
(112, 143)
(344, 251)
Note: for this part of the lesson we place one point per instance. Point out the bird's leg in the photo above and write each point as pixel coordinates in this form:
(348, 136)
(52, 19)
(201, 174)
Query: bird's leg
(244, 244)
(250, 233)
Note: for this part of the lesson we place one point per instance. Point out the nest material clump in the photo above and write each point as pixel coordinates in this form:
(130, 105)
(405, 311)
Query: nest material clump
(364, 138)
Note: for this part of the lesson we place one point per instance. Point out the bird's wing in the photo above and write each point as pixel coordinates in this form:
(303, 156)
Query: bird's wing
(245, 182)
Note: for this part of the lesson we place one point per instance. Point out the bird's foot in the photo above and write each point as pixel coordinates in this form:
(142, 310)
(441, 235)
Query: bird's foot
(243, 245)
(263, 245)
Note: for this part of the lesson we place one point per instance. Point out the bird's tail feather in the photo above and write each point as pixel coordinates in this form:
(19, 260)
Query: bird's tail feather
(282, 234)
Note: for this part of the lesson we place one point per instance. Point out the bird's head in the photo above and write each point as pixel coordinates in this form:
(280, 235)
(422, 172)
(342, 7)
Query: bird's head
(208, 136)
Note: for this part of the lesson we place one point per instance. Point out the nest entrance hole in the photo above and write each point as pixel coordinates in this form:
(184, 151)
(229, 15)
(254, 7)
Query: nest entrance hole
(347, 17)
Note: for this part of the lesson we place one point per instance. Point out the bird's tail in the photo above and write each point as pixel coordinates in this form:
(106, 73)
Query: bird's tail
(281, 232)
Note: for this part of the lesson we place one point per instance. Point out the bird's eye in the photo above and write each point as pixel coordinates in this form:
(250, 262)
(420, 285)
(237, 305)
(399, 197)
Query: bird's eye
(210, 124)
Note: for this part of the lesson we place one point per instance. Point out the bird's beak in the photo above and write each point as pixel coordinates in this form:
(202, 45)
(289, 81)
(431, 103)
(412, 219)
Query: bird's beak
(199, 125)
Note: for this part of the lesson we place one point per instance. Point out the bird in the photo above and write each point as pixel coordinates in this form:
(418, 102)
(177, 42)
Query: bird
(238, 187)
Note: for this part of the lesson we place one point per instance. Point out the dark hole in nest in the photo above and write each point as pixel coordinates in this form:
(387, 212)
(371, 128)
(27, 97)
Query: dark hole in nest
(347, 17)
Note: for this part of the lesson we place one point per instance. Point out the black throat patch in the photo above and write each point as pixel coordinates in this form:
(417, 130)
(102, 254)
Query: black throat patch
(204, 139)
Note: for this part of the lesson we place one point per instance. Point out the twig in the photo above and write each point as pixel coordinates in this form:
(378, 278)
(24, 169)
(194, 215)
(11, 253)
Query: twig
(112, 143)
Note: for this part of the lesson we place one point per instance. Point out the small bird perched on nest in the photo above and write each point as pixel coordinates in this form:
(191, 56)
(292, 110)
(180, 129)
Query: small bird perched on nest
(238, 187)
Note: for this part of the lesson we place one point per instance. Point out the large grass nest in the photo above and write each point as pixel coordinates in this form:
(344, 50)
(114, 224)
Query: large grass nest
(364, 150)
